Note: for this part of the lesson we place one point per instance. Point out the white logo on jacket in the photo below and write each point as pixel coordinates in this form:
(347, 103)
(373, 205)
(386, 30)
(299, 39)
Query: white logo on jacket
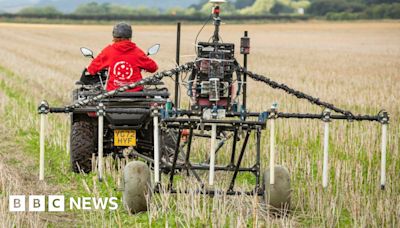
(122, 71)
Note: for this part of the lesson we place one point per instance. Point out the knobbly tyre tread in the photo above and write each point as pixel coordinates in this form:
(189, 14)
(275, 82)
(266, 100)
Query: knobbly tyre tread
(82, 146)
(277, 196)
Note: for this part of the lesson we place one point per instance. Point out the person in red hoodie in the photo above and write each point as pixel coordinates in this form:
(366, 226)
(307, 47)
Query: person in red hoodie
(123, 59)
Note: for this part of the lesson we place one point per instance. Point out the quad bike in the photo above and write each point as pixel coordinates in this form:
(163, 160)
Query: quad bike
(121, 130)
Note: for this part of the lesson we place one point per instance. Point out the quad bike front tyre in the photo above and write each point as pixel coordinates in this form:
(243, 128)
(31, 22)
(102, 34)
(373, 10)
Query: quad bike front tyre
(278, 195)
(82, 146)
(136, 184)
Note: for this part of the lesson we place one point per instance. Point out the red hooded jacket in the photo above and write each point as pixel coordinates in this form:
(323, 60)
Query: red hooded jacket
(124, 61)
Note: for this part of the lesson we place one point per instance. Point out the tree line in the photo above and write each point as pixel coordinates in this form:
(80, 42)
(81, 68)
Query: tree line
(328, 9)
(356, 9)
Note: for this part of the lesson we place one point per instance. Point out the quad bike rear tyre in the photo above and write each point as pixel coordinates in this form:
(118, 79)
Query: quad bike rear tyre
(278, 195)
(136, 184)
(82, 146)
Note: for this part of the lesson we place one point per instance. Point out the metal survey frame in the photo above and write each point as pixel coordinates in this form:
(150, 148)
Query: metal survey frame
(187, 119)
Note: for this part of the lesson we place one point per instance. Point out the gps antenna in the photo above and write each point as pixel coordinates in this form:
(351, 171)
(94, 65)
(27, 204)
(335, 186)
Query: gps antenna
(217, 20)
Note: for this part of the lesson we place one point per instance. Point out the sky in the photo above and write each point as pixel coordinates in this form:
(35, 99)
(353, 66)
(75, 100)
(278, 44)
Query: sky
(69, 5)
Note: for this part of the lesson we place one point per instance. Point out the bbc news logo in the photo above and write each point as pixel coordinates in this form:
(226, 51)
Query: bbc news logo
(57, 203)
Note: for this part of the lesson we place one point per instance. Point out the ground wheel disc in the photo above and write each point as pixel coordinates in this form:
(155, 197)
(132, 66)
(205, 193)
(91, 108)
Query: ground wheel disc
(278, 195)
(136, 184)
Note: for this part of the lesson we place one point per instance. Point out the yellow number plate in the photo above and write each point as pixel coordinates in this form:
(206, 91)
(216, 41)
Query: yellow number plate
(124, 138)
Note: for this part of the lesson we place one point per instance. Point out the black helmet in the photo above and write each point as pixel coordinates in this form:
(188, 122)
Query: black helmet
(122, 30)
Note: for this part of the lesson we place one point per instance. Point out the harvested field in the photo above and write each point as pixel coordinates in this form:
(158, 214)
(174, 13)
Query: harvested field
(356, 66)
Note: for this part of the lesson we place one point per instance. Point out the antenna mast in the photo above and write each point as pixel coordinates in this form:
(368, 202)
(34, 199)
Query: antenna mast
(217, 20)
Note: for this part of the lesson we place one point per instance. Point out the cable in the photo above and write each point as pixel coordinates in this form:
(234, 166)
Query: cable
(197, 36)
(297, 94)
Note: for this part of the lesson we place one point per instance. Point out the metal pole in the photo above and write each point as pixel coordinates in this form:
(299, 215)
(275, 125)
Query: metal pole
(212, 153)
(42, 141)
(232, 163)
(43, 110)
(239, 161)
(189, 147)
(384, 121)
(273, 116)
(325, 168)
(100, 113)
(245, 76)
(325, 164)
(258, 156)
(272, 152)
(176, 154)
(383, 157)
(178, 48)
(156, 147)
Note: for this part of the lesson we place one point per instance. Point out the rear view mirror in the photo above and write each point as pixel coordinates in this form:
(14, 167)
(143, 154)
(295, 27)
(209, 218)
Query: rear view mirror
(87, 52)
(153, 49)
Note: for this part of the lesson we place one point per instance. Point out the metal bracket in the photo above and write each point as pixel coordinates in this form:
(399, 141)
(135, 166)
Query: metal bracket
(263, 116)
(44, 107)
(383, 117)
(243, 113)
(155, 111)
(100, 110)
(326, 115)
(273, 113)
